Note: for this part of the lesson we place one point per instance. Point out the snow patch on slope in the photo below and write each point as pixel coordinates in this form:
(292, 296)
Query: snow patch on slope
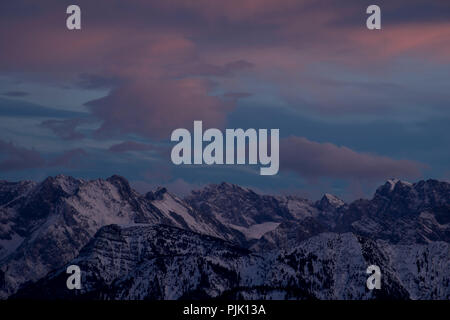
(256, 231)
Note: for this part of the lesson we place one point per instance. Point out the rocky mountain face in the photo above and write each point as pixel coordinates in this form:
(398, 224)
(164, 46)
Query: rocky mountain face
(222, 241)
(401, 213)
(162, 262)
(251, 214)
(47, 224)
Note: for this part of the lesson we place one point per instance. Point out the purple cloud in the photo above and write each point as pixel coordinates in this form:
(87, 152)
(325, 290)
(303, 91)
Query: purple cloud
(13, 157)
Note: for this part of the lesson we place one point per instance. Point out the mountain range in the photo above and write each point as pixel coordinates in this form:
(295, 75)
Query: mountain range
(223, 241)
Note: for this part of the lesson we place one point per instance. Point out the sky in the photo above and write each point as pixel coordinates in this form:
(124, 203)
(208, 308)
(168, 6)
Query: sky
(354, 106)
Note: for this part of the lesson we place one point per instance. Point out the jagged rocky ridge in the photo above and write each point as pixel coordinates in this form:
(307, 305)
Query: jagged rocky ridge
(222, 241)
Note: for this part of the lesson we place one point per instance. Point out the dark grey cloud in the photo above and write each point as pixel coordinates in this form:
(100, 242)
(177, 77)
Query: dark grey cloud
(237, 95)
(97, 81)
(69, 158)
(15, 94)
(17, 108)
(197, 68)
(130, 146)
(65, 129)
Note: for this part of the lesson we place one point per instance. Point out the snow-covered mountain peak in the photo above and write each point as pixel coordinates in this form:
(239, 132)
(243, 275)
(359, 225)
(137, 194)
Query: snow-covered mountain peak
(122, 185)
(393, 182)
(60, 183)
(391, 185)
(224, 187)
(332, 200)
(159, 194)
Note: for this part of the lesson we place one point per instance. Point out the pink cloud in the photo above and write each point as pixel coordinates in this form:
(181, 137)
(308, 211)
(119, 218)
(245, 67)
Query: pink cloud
(159, 54)
(314, 160)
(428, 41)
(154, 108)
